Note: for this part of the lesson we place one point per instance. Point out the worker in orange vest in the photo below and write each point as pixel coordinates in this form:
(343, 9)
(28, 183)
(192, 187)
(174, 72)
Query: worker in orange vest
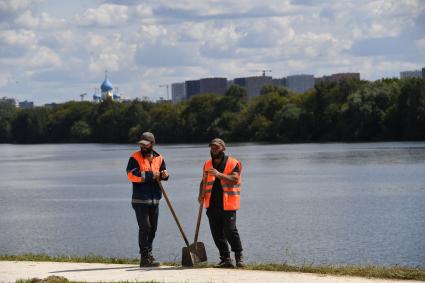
(144, 169)
(220, 191)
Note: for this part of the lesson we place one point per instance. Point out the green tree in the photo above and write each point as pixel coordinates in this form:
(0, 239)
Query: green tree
(80, 131)
(197, 115)
(411, 108)
(286, 123)
(7, 114)
(365, 112)
(29, 126)
(63, 117)
(166, 123)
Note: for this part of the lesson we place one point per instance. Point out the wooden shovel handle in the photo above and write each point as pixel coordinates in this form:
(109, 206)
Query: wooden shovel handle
(198, 223)
(172, 212)
(201, 206)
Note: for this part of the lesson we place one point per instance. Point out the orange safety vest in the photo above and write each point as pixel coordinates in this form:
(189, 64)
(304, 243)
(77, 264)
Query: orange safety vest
(231, 192)
(144, 165)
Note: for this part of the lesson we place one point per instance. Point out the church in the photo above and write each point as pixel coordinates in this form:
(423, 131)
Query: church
(106, 91)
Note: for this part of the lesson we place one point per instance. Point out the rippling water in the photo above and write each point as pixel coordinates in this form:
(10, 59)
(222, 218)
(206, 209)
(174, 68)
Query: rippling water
(355, 204)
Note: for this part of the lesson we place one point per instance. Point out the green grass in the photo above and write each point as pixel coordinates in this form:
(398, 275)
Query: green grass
(393, 272)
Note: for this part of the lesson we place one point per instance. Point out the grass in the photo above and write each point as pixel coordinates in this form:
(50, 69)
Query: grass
(393, 272)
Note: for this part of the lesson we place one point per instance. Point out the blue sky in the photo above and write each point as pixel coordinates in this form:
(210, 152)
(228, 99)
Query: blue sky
(52, 51)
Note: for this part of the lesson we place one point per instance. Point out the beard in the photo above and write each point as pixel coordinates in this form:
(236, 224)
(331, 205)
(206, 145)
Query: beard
(146, 151)
(219, 155)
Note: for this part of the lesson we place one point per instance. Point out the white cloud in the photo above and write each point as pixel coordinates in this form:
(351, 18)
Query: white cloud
(153, 33)
(14, 5)
(4, 78)
(107, 15)
(27, 20)
(109, 52)
(44, 21)
(24, 38)
(44, 57)
(144, 10)
(393, 7)
(220, 42)
(383, 18)
(420, 44)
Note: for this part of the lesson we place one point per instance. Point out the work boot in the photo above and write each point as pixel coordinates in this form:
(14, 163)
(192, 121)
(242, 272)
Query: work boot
(225, 262)
(152, 259)
(239, 260)
(147, 261)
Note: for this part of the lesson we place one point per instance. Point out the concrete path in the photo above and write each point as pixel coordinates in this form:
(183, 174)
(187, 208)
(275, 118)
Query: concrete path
(10, 271)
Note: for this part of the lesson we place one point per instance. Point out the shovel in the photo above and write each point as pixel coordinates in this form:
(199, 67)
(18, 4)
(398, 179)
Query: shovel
(197, 248)
(189, 258)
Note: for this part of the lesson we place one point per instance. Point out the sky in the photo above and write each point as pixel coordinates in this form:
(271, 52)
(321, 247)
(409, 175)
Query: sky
(53, 51)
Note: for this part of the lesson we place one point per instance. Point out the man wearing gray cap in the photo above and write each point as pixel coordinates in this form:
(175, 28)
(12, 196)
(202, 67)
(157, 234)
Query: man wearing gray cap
(220, 191)
(144, 169)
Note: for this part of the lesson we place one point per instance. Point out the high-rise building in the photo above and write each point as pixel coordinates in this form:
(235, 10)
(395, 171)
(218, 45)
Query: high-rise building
(411, 74)
(26, 104)
(178, 92)
(338, 77)
(192, 87)
(213, 85)
(253, 85)
(300, 83)
(279, 82)
(230, 83)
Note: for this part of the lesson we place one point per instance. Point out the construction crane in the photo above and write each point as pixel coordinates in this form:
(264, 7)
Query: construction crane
(263, 72)
(166, 86)
(82, 96)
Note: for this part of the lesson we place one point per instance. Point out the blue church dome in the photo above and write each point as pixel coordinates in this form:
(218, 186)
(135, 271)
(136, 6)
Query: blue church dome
(106, 86)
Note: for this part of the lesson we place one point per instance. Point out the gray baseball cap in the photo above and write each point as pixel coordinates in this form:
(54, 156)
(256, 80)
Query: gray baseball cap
(146, 138)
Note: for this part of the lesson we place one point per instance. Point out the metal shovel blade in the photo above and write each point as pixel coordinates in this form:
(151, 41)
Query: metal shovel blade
(193, 254)
(188, 258)
(198, 249)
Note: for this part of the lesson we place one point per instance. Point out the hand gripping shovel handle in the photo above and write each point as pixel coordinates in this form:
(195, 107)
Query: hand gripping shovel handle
(172, 212)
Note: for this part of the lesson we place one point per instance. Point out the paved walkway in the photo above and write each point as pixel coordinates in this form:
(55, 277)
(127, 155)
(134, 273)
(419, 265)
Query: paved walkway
(10, 271)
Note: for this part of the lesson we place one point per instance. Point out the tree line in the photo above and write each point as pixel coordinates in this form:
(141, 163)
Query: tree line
(345, 111)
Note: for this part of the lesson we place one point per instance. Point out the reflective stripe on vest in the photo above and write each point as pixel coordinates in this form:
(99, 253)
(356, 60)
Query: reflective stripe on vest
(149, 201)
(144, 165)
(231, 192)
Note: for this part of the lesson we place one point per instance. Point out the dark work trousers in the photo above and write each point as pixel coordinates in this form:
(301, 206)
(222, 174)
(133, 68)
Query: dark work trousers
(147, 219)
(223, 229)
